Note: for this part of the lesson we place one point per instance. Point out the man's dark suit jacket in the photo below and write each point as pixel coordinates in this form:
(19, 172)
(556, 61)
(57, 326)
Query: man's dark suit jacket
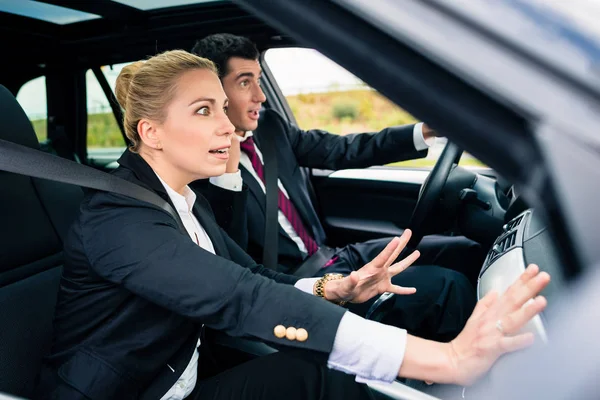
(135, 291)
(295, 149)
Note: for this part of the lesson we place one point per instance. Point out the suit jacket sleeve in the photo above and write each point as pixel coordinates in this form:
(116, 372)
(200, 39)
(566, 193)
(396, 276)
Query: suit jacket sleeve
(140, 248)
(319, 149)
(239, 256)
(229, 209)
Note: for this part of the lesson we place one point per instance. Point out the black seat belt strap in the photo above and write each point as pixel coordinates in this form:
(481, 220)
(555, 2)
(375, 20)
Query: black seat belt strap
(271, 243)
(35, 163)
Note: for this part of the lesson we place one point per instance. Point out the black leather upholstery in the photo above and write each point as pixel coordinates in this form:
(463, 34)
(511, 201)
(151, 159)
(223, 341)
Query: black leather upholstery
(35, 216)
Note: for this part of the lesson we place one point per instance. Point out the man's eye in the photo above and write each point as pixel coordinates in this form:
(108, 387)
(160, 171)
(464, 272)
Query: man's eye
(244, 83)
(203, 111)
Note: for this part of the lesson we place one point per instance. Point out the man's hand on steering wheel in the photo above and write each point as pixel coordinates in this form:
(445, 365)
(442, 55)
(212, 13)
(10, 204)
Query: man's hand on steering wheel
(428, 132)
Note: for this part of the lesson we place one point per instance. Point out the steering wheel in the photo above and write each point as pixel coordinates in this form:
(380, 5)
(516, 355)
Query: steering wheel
(429, 195)
(431, 191)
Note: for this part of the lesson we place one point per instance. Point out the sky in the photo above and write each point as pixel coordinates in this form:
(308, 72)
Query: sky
(296, 70)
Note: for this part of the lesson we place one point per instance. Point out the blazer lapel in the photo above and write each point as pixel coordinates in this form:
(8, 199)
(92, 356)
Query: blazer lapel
(210, 226)
(258, 194)
(147, 177)
(253, 187)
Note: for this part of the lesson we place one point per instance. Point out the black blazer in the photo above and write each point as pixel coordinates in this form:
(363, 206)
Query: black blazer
(298, 148)
(135, 291)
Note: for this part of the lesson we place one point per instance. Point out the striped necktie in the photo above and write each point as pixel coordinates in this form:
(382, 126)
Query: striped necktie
(285, 204)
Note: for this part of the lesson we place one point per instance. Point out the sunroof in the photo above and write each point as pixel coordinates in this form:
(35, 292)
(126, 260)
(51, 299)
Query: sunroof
(45, 12)
(154, 4)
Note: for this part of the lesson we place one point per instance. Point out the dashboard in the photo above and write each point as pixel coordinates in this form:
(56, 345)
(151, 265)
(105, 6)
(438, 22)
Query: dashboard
(505, 262)
(524, 240)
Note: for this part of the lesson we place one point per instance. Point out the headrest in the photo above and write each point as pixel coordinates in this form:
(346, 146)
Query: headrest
(14, 124)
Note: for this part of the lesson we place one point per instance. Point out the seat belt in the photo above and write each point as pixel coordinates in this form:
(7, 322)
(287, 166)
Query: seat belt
(271, 243)
(37, 164)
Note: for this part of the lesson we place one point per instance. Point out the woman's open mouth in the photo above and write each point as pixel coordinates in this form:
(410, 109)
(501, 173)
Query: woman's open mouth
(222, 153)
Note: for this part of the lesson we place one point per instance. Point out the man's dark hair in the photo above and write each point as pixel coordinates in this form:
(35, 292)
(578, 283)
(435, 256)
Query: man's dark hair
(220, 47)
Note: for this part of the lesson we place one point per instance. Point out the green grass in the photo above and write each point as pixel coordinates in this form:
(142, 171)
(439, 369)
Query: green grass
(103, 131)
(40, 128)
(373, 111)
(360, 110)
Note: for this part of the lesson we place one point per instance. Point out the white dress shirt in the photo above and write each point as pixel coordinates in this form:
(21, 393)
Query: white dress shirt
(233, 181)
(367, 349)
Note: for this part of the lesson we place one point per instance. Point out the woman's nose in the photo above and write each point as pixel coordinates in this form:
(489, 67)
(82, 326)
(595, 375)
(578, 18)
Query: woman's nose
(226, 127)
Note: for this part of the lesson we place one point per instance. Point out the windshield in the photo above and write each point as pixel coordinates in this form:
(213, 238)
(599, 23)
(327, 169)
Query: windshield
(564, 32)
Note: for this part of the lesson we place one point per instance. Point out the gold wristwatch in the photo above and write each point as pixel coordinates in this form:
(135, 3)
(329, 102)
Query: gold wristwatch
(320, 286)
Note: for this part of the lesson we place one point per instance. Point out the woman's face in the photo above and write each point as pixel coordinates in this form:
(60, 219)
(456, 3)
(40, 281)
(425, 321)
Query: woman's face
(196, 134)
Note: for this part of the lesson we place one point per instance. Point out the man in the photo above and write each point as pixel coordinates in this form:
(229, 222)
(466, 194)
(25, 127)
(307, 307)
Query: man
(301, 236)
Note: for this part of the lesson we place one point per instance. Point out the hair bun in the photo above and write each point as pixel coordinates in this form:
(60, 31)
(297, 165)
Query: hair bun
(124, 81)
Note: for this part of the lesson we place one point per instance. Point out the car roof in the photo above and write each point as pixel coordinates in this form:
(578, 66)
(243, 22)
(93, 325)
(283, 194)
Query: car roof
(104, 32)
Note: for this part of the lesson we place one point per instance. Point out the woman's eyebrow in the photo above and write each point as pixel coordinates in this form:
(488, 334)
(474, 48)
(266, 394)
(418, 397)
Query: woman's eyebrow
(210, 100)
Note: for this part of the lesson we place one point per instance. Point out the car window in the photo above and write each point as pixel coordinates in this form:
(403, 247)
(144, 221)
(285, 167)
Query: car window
(32, 97)
(105, 143)
(323, 95)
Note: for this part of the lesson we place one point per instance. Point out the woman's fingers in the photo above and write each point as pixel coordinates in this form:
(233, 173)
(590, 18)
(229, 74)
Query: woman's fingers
(513, 343)
(403, 264)
(524, 289)
(484, 304)
(392, 250)
(401, 290)
(382, 258)
(404, 238)
(516, 320)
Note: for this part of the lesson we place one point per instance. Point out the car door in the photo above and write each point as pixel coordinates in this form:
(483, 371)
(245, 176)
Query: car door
(316, 93)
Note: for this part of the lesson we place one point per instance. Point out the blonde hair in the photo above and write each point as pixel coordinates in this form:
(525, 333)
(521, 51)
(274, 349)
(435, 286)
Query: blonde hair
(145, 88)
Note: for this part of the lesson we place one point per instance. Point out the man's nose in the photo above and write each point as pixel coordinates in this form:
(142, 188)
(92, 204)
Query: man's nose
(259, 95)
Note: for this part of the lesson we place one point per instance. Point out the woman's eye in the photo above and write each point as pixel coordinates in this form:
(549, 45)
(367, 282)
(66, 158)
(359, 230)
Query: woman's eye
(203, 111)
(226, 109)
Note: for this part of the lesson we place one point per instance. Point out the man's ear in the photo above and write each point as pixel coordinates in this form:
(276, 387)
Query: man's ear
(149, 134)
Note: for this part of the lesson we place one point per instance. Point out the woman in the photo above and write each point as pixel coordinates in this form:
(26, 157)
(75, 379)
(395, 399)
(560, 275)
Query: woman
(136, 290)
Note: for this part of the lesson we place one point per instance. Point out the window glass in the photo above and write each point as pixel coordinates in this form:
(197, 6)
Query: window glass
(324, 95)
(105, 142)
(32, 98)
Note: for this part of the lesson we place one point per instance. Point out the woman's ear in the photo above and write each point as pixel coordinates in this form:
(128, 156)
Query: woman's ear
(149, 134)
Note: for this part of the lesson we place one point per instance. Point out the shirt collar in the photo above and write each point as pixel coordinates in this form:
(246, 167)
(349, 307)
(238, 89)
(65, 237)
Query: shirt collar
(183, 203)
(247, 135)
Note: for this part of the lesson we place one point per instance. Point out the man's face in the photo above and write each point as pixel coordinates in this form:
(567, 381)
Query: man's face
(242, 87)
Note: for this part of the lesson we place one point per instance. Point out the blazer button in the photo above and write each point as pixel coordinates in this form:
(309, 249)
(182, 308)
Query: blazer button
(279, 331)
(301, 335)
(290, 333)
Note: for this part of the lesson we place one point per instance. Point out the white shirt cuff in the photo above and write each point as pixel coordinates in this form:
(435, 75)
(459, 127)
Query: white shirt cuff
(306, 284)
(418, 139)
(231, 181)
(367, 349)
